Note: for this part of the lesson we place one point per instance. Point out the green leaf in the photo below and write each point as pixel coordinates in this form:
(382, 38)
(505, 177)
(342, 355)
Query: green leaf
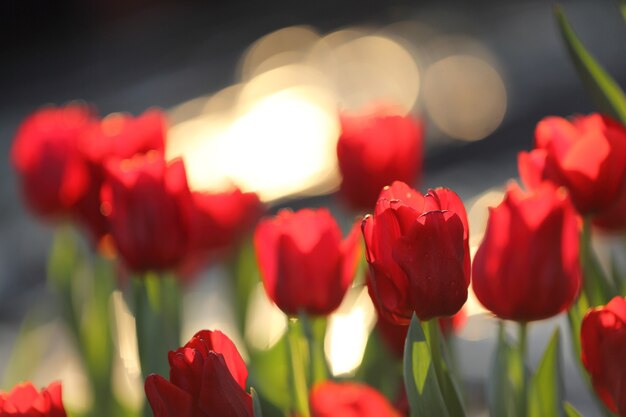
(246, 274)
(570, 411)
(546, 386)
(442, 360)
(256, 404)
(420, 377)
(506, 378)
(269, 372)
(606, 93)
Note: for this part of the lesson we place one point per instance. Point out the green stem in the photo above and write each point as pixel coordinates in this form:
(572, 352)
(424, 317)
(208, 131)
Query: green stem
(157, 320)
(523, 349)
(314, 329)
(298, 385)
(595, 284)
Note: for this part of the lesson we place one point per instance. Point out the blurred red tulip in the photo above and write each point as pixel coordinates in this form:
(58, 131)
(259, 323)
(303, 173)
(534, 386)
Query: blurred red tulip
(218, 222)
(146, 203)
(53, 173)
(374, 150)
(304, 263)
(418, 252)
(527, 266)
(25, 400)
(349, 399)
(207, 378)
(587, 155)
(603, 345)
(117, 136)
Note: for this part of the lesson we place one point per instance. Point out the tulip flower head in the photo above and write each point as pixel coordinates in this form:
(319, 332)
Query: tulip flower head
(374, 150)
(53, 173)
(586, 155)
(603, 351)
(207, 378)
(119, 137)
(527, 266)
(304, 263)
(146, 202)
(24, 400)
(349, 399)
(418, 252)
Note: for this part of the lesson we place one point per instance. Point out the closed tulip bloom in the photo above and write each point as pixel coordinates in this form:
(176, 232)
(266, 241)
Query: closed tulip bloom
(374, 150)
(145, 201)
(25, 401)
(304, 263)
(527, 266)
(349, 399)
(418, 252)
(53, 173)
(603, 345)
(207, 379)
(117, 136)
(586, 155)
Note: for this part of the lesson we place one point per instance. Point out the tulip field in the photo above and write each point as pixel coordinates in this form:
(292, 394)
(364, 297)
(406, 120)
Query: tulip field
(133, 234)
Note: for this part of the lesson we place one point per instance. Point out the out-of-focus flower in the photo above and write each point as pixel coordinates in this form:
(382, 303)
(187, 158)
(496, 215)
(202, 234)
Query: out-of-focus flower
(207, 378)
(117, 136)
(603, 344)
(52, 171)
(374, 150)
(349, 399)
(219, 219)
(25, 400)
(418, 252)
(304, 264)
(527, 266)
(587, 155)
(146, 203)
(218, 222)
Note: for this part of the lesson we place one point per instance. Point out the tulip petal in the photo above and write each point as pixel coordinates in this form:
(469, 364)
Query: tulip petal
(220, 394)
(166, 399)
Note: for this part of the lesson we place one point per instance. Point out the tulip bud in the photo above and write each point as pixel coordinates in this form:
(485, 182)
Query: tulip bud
(117, 136)
(527, 266)
(332, 399)
(374, 150)
(603, 345)
(586, 155)
(304, 264)
(145, 201)
(53, 173)
(418, 252)
(24, 400)
(207, 378)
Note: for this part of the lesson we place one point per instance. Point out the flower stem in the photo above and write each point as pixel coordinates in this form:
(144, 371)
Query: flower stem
(298, 384)
(523, 351)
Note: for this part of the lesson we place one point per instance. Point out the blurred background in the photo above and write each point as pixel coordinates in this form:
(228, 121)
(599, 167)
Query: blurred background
(252, 90)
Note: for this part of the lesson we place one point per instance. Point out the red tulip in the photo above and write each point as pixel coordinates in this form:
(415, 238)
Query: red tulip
(146, 203)
(219, 219)
(117, 136)
(349, 399)
(53, 173)
(304, 263)
(603, 344)
(418, 252)
(587, 155)
(374, 150)
(527, 267)
(218, 222)
(207, 378)
(24, 400)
